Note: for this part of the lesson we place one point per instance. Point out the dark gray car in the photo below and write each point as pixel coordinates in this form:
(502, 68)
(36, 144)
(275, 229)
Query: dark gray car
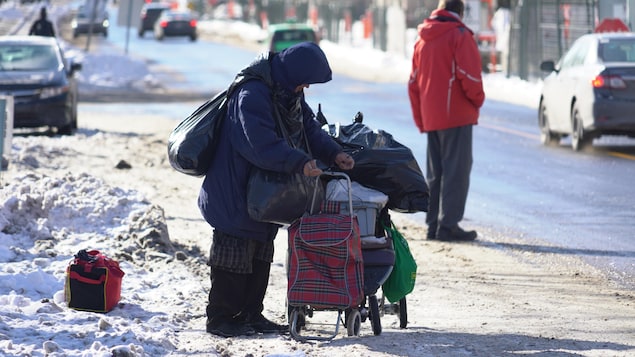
(34, 70)
(84, 23)
(150, 13)
(175, 23)
(590, 92)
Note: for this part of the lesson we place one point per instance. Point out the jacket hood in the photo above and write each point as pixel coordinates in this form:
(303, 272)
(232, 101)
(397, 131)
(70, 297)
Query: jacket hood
(304, 63)
(440, 22)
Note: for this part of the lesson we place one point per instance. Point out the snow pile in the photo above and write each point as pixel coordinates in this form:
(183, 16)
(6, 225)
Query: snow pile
(44, 221)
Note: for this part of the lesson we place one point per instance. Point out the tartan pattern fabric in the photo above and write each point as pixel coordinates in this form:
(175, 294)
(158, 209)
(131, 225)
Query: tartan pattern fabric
(330, 206)
(325, 262)
(236, 254)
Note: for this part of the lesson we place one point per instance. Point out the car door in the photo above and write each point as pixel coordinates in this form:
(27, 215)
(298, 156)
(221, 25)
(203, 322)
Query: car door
(560, 86)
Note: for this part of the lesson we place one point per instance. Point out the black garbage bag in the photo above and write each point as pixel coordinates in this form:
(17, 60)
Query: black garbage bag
(383, 164)
(192, 143)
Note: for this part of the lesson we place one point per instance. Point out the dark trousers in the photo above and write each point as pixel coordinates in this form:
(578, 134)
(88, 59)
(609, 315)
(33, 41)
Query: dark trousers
(449, 164)
(233, 295)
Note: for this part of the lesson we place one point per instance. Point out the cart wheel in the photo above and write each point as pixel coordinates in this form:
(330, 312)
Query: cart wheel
(403, 313)
(354, 322)
(375, 319)
(299, 318)
(296, 320)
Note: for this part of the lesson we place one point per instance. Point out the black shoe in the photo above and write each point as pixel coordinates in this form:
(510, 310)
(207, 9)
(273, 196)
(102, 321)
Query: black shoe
(455, 235)
(231, 329)
(260, 324)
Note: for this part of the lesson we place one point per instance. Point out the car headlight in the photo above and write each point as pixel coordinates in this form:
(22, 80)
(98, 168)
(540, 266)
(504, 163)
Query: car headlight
(53, 91)
(74, 24)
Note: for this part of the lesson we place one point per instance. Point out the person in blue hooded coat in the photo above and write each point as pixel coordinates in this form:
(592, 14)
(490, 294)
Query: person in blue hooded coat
(241, 252)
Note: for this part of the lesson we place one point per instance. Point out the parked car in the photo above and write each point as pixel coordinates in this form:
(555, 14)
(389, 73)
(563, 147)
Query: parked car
(590, 92)
(287, 34)
(34, 70)
(150, 13)
(81, 23)
(173, 23)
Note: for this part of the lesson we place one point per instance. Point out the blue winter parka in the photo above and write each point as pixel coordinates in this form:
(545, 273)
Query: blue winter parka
(249, 137)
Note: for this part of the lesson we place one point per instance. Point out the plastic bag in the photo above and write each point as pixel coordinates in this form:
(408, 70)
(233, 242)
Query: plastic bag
(337, 190)
(401, 281)
(279, 197)
(191, 144)
(383, 164)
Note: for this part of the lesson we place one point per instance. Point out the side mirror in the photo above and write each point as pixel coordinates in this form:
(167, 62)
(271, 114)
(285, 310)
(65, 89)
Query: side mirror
(548, 66)
(75, 66)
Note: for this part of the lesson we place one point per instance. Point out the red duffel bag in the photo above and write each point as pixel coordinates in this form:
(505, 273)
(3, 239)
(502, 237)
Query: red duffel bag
(93, 282)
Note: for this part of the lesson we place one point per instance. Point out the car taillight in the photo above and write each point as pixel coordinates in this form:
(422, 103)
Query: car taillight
(613, 82)
(192, 23)
(163, 24)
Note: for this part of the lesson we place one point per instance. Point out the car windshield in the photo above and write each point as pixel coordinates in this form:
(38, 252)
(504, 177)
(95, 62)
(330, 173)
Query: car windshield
(285, 38)
(294, 35)
(177, 15)
(27, 58)
(155, 11)
(617, 50)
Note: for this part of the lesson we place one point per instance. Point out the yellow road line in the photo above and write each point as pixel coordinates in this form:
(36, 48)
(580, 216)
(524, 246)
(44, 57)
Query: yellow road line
(621, 155)
(537, 137)
(511, 131)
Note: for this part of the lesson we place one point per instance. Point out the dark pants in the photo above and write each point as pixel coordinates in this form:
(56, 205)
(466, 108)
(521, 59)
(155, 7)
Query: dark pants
(238, 283)
(449, 164)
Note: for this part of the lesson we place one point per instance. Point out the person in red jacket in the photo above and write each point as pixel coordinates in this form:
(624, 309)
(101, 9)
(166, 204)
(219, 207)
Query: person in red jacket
(446, 93)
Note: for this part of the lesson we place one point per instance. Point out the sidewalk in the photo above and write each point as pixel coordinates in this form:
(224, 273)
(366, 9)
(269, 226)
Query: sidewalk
(500, 295)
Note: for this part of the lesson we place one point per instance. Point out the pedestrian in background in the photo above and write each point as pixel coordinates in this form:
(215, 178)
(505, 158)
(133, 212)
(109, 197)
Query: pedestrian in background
(242, 248)
(42, 26)
(446, 93)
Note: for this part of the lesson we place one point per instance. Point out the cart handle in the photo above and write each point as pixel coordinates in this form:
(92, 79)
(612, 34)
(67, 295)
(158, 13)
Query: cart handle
(334, 174)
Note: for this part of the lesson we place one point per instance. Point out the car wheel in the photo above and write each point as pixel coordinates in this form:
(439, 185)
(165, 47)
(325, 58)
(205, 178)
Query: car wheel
(547, 137)
(71, 115)
(579, 138)
(66, 129)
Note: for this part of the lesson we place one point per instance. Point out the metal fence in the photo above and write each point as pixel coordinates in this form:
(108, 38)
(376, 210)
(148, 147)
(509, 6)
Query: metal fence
(540, 29)
(544, 30)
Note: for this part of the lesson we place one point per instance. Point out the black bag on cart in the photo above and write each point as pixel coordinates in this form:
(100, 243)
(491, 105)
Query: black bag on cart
(383, 164)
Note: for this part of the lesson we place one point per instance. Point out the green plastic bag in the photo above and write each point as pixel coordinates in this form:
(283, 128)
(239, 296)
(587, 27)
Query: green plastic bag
(401, 281)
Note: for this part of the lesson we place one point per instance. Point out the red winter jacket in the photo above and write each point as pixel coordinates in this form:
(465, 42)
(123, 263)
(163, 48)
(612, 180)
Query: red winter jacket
(445, 86)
